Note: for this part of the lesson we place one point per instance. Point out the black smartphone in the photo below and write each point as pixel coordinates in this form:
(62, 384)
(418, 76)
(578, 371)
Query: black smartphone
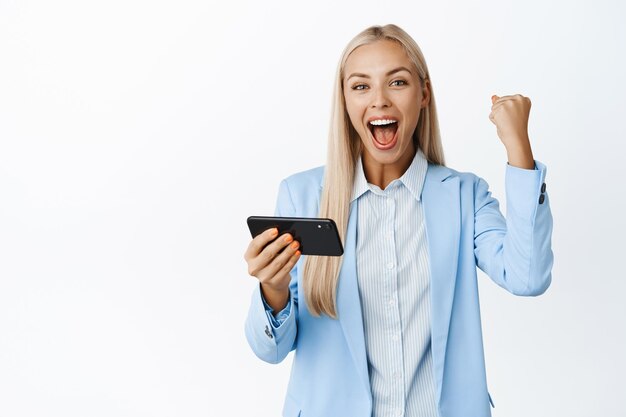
(316, 236)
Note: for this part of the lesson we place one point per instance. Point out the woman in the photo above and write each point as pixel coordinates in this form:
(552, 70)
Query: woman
(392, 327)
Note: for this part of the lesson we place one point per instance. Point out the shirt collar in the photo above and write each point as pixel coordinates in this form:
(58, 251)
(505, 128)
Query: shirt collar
(413, 177)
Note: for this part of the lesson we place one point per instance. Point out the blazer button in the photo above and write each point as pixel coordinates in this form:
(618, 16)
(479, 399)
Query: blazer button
(543, 187)
(541, 198)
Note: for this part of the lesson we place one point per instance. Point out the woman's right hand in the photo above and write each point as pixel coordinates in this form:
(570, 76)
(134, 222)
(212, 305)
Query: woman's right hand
(271, 263)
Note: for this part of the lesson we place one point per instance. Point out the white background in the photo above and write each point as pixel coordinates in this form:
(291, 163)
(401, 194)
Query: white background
(137, 136)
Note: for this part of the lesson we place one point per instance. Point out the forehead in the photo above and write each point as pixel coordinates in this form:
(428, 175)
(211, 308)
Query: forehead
(377, 57)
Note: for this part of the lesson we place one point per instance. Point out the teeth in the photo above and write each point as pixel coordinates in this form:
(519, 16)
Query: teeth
(382, 122)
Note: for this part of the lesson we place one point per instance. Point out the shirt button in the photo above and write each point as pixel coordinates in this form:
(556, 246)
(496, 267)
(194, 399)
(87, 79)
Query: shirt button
(390, 265)
(398, 411)
(389, 235)
(395, 337)
(391, 301)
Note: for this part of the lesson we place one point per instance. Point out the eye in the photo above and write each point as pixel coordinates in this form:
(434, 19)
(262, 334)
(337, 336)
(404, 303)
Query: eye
(399, 81)
(358, 87)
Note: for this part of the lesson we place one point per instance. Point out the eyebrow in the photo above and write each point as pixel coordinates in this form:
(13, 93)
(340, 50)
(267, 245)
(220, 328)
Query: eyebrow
(393, 71)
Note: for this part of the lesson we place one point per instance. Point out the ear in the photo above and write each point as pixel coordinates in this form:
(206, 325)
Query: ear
(425, 94)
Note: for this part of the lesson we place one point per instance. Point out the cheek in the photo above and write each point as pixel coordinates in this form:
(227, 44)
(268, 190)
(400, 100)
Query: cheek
(354, 114)
(412, 111)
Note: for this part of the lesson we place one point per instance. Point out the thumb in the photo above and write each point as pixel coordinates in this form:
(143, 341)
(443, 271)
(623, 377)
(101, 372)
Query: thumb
(494, 98)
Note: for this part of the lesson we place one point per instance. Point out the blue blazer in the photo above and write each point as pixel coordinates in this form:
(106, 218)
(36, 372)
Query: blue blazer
(465, 229)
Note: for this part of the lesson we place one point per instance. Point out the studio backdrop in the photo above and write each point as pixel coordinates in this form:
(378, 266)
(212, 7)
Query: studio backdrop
(136, 137)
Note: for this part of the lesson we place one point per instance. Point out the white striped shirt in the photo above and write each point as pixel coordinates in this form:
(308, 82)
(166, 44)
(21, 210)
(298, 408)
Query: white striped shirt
(394, 287)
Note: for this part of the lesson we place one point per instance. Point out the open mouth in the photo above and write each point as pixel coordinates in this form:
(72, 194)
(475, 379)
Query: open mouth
(383, 131)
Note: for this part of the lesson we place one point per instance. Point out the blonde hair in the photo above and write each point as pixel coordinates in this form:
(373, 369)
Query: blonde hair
(321, 273)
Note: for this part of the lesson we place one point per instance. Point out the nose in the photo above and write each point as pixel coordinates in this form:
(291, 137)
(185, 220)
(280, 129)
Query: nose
(380, 98)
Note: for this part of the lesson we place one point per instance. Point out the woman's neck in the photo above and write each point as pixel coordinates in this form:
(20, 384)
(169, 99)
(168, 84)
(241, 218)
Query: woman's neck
(382, 174)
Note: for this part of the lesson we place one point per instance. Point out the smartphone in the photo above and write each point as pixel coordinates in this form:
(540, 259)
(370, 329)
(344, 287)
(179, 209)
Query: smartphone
(316, 236)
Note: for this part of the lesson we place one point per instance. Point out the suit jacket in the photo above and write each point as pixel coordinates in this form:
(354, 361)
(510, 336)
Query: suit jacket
(465, 229)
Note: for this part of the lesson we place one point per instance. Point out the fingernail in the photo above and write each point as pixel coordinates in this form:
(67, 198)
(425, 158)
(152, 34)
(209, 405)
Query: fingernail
(288, 238)
(273, 232)
(297, 253)
(295, 244)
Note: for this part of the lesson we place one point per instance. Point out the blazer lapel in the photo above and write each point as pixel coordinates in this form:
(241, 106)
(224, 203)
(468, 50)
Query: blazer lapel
(348, 299)
(441, 202)
(349, 302)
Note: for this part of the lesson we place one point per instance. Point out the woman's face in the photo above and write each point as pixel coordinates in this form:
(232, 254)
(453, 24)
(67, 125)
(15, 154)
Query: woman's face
(383, 97)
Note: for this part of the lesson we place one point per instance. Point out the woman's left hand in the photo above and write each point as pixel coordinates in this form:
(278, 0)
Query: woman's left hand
(510, 115)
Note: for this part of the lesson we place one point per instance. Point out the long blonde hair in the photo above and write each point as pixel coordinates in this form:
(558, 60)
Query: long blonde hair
(321, 273)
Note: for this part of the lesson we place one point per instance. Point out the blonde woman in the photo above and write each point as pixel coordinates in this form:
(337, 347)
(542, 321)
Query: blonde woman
(392, 327)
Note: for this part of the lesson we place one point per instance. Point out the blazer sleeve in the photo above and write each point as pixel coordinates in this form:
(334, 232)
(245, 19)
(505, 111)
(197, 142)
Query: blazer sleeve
(515, 252)
(269, 341)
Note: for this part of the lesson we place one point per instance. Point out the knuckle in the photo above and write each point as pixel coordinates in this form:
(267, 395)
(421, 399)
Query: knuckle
(252, 271)
(255, 268)
(279, 243)
(281, 260)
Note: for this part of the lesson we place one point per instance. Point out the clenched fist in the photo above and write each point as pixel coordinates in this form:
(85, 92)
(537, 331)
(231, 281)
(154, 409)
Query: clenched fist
(510, 115)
